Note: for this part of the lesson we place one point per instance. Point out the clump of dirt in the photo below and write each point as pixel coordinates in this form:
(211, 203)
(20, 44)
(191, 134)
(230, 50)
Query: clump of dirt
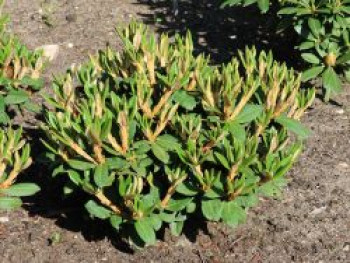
(310, 224)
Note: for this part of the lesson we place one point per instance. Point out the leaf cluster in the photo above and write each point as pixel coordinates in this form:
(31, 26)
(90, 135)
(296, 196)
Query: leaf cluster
(14, 159)
(154, 133)
(324, 29)
(20, 75)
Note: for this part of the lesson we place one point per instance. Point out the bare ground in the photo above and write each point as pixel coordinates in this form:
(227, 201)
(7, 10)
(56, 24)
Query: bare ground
(310, 224)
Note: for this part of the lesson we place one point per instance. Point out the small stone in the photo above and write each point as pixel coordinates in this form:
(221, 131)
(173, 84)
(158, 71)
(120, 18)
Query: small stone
(50, 51)
(4, 219)
(319, 210)
(70, 45)
(340, 111)
(346, 248)
(71, 17)
(343, 165)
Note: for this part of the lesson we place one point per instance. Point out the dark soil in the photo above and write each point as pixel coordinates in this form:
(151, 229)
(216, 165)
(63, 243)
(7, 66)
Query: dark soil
(310, 224)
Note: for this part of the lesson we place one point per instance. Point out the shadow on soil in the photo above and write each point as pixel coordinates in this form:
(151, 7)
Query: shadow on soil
(220, 32)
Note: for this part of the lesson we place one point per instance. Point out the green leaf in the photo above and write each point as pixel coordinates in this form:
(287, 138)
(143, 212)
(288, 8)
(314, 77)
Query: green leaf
(186, 189)
(21, 189)
(16, 97)
(116, 221)
(191, 208)
(168, 218)
(116, 163)
(311, 73)
(146, 231)
(96, 210)
(222, 160)
(311, 58)
(81, 165)
(212, 209)
(331, 82)
(264, 5)
(155, 221)
(233, 214)
(184, 99)
(249, 113)
(178, 205)
(35, 84)
(293, 126)
(344, 58)
(33, 107)
(102, 177)
(237, 130)
(247, 200)
(160, 153)
(273, 188)
(315, 26)
(9, 203)
(176, 228)
(168, 142)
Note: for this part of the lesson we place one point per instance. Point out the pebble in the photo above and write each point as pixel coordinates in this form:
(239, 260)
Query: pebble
(4, 219)
(343, 165)
(319, 210)
(340, 111)
(70, 45)
(50, 51)
(346, 248)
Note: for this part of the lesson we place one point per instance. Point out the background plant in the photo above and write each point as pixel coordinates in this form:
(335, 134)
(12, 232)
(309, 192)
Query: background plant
(323, 27)
(155, 134)
(20, 72)
(14, 159)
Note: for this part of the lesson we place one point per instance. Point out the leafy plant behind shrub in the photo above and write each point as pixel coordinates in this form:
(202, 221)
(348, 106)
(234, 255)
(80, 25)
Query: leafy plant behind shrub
(14, 159)
(20, 71)
(155, 134)
(323, 27)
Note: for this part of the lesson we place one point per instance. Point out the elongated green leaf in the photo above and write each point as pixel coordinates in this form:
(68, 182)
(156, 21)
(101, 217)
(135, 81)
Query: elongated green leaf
(315, 26)
(160, 153)
(80, 165)
(249, 113)
(96, 210)
(102, 177)
(9, 203)
(311, 73)
(178, 205)
(116, 221)
(237, 130)
(311, 58)
(264, 5)
(344, 58)
(184, 99)
(212, 209)
(21, 189)
(232, 214)
(294, 126)
(176, 228)
(146, 231)
(331, 82)
(186, 189)
(16, 97)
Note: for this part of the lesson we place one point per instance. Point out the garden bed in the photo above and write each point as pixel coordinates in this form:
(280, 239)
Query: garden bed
(310, 224)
